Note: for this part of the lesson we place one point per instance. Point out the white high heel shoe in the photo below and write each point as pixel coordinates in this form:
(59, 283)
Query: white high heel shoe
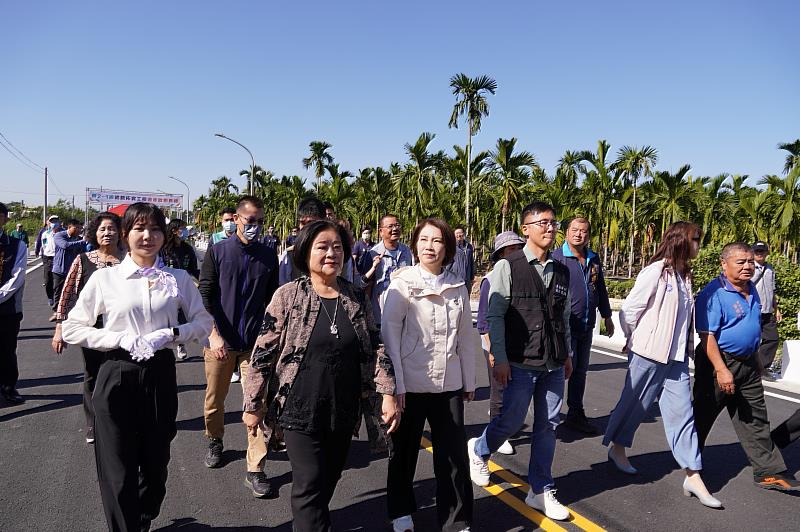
(705, 498)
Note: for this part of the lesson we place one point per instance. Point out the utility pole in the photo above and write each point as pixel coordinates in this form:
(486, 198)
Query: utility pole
(44, 210)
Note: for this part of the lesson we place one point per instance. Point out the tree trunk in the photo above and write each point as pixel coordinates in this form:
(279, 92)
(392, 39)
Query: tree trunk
(633, 231)
(469, 169)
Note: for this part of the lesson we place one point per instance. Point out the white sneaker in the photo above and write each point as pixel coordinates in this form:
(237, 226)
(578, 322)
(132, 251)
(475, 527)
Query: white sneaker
(506, 448)
(403, 524)
(547, 503)
(478, 466)
(236, 377)
(181, 353)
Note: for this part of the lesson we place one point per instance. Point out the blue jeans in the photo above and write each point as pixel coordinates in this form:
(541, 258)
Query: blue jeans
(645, 382)
(581, 348)
(546, 388)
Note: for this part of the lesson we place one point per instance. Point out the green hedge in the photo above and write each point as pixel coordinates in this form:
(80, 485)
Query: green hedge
(706, 267)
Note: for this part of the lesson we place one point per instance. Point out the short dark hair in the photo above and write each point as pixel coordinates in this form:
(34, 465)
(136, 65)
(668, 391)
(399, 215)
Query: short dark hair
(306, 236)
(456, 228)
(3, 209)
(251, 200)
(310, 207)
(387, 215)
(536, 207)
(141, 211)
(94, 225)
(328, 205)
(447, 233)
(366, 227)
(73, 222)
(227, 210)
(581, 220)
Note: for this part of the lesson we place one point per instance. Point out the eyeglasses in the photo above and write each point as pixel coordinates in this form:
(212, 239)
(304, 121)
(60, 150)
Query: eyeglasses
(393, 226)
(555, 224)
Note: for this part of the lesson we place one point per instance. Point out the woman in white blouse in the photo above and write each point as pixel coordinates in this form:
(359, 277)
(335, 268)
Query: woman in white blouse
(657, 321)
(427, 331)
(135, 397)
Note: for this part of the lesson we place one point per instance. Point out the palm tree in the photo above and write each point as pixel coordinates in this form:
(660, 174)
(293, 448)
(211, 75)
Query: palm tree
(470, 101)
(793, 159)
(634, 163)
(787, 205)
(605, 191)
(415, 186)
(319, 158)
(514, 170)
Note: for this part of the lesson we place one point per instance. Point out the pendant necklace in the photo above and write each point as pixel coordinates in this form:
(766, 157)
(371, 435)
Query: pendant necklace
(334, 328)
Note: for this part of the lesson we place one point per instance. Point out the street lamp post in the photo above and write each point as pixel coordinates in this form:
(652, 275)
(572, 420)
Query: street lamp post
(252, 161)
(188, 204)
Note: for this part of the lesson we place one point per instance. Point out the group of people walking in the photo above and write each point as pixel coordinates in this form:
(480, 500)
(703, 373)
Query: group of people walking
(333, 333)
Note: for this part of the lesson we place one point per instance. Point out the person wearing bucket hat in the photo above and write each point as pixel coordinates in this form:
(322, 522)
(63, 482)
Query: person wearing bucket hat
(764, 279)
(588, 291)
(504, 244)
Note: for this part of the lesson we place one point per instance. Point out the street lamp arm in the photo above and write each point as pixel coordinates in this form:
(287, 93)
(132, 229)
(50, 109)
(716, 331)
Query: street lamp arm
(188, 194)
(252, 160)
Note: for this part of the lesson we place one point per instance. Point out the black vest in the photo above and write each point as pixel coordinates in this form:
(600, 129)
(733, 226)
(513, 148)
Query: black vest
(535, 328)
(9, 247)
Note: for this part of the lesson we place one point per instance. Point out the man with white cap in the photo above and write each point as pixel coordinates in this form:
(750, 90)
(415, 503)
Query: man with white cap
(46, 245)
(504, 244)
(764, 279)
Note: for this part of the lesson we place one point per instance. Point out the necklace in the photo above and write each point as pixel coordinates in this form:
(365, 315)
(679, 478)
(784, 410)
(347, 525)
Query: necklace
(334, 328)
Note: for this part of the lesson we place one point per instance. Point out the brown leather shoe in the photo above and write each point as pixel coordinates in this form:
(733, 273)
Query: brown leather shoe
(778, 482)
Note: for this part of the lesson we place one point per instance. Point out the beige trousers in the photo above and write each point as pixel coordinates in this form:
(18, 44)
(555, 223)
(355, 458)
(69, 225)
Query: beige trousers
(218, 381)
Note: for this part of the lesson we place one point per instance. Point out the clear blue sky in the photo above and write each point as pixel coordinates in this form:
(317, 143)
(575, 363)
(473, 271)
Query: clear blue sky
(121, 96)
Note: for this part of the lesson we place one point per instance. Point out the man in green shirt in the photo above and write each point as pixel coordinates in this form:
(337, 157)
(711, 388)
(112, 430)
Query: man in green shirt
(21, 234)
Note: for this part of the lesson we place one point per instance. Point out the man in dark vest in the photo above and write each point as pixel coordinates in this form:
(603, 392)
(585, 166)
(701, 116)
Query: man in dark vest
(13, 259)
(528, 316)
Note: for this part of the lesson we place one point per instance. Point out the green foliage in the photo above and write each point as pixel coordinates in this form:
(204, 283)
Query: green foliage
(619, 288)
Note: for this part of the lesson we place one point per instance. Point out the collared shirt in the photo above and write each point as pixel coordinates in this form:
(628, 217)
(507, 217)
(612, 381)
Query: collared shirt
(500, 298)
(733, 319)
(587, 287)
(48, 243)
(764, 279)
(393, 259)
(129, 305)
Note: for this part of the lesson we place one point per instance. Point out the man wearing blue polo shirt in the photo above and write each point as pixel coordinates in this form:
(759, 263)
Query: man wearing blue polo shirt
(727, 368)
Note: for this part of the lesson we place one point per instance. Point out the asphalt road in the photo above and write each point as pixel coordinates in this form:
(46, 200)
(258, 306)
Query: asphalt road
(48, 480)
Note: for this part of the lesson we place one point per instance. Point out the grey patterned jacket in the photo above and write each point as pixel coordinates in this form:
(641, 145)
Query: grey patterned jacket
(281, 346)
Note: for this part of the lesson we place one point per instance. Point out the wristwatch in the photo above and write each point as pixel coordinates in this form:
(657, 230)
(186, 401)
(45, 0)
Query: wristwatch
(176, 332)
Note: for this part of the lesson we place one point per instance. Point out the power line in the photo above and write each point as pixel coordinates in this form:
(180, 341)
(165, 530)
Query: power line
(40, 167)
(18, 158)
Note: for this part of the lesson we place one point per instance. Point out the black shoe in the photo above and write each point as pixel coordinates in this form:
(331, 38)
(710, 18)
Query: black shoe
(90, 435)
(581, 423)
(259, 484)
(11, 395)
(779, 482)
(214, 456)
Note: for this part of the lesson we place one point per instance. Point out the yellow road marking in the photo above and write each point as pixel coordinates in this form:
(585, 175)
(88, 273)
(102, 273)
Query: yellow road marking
(502, 493)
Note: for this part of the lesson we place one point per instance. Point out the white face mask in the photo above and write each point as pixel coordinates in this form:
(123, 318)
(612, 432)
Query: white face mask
(229, 226)
(251, 231)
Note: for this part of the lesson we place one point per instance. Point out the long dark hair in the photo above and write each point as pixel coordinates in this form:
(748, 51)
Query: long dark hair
(676, 247)
(169, 240)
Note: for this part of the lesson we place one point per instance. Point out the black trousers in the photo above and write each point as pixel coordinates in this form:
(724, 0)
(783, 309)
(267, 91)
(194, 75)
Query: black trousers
(135, 405)
(91, 365)
(9, 331)
(317, 460)
(58, 286)
(445, 415)
(47, 276)
(769, 339)
(746, 406)
(788, 431)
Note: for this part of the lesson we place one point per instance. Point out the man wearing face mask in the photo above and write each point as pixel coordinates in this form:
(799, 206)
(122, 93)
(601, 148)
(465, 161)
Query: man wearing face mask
(363, 246)
(237, 280)
(270, 240)
(46, 246)
(228, 225)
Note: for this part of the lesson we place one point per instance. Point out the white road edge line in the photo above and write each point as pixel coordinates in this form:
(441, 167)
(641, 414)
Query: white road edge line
(601, 351)
(33, 268)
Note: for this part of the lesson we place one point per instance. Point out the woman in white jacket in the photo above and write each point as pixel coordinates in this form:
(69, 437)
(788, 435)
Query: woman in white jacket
(427, 331)
(657, 321)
